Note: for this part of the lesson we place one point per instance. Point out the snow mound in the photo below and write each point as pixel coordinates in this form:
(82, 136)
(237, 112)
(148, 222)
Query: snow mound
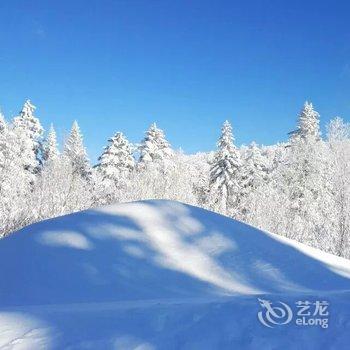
(156, 275)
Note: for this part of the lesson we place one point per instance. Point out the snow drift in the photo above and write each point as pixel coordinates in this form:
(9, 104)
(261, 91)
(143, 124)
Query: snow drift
(162, 275)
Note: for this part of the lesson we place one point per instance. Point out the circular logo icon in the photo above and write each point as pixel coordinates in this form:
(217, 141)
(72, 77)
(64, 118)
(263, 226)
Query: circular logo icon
(272, 315)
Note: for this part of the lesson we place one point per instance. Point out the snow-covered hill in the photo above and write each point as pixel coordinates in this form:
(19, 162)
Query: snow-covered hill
(164, 275)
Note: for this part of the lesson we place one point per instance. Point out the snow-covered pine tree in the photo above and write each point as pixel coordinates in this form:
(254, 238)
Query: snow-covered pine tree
(154, 147)
(29, 132)
(308, 128)
(117, 160)
(75, 151)
(255, 168)
(155, 166)
(75, 189)
(50, 146)
(301, 159)
(28, 122)
(305, 179)
(225, 181)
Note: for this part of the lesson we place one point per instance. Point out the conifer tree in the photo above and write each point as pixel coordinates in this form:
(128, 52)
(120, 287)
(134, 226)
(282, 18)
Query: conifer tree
(29, 132)
(225, 171)
(255, 168)
(154, 147)
(117, 160)
(50, 147)
(304, 178)
(308, 128)
(75, 151)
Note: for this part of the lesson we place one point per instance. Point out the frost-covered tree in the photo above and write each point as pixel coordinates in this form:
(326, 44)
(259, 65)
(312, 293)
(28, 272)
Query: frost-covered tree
(29, 132)
(14, 183)
(338, 130)
(115, 166)
(28, 122)
(225, 181)
(255, 168)
(75, 151)
(254, 174)
(155, 166)
(172, 181)
(154, 147)
(60, 190)
(308, 128)
(198, 172)
(77, 185)
(117, 160)
(306, 181)
(339, 146)
(309, 192)
(50, 146)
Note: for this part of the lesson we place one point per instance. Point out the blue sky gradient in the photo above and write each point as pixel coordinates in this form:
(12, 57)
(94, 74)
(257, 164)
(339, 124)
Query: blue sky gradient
(188, 65)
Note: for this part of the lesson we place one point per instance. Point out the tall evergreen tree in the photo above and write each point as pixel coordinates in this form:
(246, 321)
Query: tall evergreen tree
(50, 147)
(305, 179)
(154, 147)
(224, 175)
(75, 151)
(117, 160)
(28, 122)
(29, 131)
(308, 125)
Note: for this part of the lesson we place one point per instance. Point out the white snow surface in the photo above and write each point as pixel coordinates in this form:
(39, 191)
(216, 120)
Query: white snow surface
(162, 275)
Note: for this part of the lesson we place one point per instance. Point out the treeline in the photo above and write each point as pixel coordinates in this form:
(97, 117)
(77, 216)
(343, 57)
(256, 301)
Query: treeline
(299, 188)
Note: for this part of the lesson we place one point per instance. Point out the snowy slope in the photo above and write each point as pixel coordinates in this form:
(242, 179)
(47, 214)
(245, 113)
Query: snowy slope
(162, 275)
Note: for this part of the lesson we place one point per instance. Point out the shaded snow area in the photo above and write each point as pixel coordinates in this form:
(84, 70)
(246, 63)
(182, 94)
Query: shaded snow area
(164, 275)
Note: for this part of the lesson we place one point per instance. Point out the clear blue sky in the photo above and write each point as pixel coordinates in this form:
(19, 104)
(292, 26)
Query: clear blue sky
(186, 64)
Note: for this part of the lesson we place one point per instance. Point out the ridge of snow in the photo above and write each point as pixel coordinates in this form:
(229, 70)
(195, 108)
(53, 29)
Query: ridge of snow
(158, 275)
